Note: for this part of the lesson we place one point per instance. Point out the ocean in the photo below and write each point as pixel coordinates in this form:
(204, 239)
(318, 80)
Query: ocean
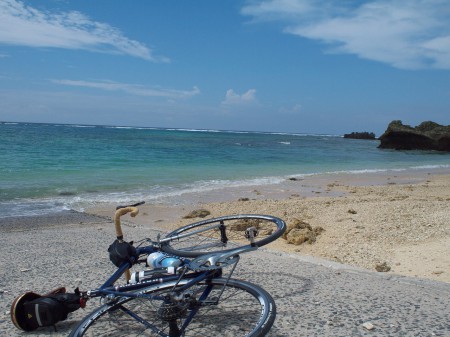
(47, 168)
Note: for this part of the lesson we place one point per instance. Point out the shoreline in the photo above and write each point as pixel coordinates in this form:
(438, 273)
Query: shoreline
(202, 191)
(395, 217)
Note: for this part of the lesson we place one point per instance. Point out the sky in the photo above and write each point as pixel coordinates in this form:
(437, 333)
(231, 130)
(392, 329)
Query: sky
(297, 66)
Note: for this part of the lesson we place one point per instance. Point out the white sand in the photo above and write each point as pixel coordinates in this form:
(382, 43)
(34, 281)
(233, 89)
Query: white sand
(400, 219)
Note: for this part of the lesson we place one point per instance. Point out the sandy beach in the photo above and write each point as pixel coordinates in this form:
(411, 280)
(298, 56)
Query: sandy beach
(399, 219)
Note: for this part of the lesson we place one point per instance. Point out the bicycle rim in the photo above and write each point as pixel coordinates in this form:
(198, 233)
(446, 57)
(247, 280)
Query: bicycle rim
(206, 237)
(244, 309)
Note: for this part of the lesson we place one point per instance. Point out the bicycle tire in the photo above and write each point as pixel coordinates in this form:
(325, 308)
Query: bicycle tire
(270, 228)
(244, 309)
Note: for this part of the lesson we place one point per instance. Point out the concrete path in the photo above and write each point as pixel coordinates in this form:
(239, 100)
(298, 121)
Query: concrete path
(314, 297)
(321, 298)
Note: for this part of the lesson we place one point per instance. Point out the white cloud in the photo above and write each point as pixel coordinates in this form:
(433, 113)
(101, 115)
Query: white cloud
(407, 34)
(133, 89)
(290, 110)
(276, 9)
(232, 98)
(26, 26)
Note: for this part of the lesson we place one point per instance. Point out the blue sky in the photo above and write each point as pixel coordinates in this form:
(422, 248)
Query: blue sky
(306, 66)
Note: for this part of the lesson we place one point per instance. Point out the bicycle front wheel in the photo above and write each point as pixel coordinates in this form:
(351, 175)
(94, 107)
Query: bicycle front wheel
(221, 234)
(210, 308)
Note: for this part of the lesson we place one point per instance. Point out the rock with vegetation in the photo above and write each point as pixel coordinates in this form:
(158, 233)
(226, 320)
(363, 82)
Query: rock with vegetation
(426, 136)
(360, 135)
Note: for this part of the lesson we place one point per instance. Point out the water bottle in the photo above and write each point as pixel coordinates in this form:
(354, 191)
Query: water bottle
(162, 260)
(162, 264)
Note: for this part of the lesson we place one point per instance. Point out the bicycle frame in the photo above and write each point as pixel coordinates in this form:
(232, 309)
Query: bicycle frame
(182, 291)
(109, 283)
(129, 290)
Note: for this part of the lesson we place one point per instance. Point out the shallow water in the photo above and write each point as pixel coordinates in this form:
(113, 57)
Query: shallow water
(47, 167)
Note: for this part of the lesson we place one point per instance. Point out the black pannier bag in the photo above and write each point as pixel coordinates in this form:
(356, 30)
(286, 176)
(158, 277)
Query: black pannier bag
(44, 311)
(31, 311)
(121, 251)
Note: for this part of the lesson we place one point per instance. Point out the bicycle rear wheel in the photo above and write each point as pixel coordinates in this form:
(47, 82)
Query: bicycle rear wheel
(244, 309)
(221, 234)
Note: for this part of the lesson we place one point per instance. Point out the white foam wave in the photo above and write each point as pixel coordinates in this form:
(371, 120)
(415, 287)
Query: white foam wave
(129, 127)
(381, 170)
(82, 126)
(30, 207)
(163, 194)
(73, 125)
(180, 194)
(431, 167)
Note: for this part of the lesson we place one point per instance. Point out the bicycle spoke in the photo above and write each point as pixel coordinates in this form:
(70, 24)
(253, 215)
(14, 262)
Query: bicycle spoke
(242, 310)
(140, 320)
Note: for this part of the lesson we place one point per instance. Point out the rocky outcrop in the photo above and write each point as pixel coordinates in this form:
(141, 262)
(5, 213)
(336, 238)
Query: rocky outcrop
(360, 135)
(426, 136)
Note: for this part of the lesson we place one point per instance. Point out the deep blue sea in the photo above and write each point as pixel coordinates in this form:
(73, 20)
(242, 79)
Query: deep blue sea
(49, 167)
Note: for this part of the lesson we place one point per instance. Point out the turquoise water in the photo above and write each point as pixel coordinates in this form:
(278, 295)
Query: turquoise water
(47, 167)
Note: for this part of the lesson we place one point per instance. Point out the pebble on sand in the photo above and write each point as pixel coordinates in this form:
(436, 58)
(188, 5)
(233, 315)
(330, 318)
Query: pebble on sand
(368, 326)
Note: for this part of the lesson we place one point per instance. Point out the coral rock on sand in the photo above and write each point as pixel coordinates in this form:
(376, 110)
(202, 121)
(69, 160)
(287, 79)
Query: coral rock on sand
(199, 213)
(298, 236)
(295, 224)
(242, 225)
(299, 231)
(382, 267)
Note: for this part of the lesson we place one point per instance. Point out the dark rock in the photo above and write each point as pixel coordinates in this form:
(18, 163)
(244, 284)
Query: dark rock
(426, 136)
(382, 267)
(360, 135)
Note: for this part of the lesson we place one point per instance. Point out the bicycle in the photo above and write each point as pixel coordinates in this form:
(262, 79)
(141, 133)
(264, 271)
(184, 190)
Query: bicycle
(192, 297)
